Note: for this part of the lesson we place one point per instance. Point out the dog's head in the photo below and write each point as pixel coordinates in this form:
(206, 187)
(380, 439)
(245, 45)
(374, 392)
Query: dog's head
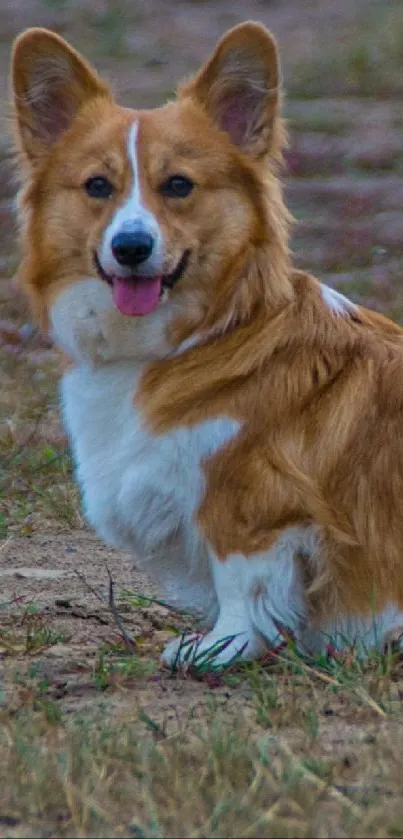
(158, 213)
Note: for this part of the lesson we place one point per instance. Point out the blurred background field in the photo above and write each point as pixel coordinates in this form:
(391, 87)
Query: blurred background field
(298, 749)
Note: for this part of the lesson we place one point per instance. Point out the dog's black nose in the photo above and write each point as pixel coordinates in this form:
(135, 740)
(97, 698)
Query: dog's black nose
(131, 248)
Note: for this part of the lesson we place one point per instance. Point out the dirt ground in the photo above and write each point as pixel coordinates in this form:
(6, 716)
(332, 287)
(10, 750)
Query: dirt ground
(68, 645)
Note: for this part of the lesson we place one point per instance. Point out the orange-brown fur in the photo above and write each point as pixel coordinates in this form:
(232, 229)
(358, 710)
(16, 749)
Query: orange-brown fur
(319, 395)
(321, 402)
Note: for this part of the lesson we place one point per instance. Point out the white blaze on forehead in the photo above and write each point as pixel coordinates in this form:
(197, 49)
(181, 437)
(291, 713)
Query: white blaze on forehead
(132, 153)
(338, 303)
(132, 215)
(134, 210)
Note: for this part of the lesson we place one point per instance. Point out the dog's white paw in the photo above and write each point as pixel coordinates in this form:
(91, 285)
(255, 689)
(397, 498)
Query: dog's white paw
(393, 639)
(211, 652)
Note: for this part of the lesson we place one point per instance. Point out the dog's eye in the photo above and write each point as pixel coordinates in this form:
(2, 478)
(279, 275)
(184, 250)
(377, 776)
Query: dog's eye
(177, 186)
(98, 187)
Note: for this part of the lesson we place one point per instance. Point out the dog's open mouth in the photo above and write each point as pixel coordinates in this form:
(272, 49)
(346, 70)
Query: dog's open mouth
(137, 295)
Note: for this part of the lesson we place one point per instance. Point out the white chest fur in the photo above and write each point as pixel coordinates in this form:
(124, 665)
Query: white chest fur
(140, 492)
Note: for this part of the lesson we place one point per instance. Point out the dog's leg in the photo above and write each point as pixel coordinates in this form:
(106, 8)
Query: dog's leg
(257, 595)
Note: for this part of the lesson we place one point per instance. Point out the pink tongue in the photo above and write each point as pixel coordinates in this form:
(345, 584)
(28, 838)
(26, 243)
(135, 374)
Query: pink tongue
(136, 296)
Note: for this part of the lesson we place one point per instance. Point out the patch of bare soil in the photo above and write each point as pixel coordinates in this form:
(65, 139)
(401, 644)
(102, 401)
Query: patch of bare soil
(55, 595)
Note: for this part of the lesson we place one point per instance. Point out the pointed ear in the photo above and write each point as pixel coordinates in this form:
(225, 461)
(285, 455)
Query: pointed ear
(239, 87)
(50, 83)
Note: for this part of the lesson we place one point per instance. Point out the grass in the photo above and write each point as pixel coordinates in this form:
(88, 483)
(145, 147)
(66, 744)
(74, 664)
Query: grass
(34, 491)
(115, 665)
(30, 632)
(290, 746)
(216, 771)
(119, 781)
(35, 470)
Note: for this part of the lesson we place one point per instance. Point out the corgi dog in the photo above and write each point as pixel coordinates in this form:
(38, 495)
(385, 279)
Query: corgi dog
(235, 424)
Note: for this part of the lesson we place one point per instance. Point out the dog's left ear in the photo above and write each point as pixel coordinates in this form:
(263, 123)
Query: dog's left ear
(239, 87)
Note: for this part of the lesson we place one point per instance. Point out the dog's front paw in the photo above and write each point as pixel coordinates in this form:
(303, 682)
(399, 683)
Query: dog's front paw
(393, 639)
(210, 652)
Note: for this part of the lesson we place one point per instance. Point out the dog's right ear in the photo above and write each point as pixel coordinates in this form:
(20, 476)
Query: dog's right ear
(50, 83)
